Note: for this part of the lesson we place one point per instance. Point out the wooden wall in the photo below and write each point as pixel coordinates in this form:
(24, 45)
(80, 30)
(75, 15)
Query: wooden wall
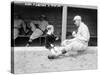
(54, 15)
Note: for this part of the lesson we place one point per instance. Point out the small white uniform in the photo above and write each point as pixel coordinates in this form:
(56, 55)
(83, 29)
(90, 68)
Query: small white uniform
(80, 42)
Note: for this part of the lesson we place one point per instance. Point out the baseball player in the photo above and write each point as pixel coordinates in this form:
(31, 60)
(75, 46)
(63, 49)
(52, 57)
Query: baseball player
(38, 28)
(80, 40)
(50, 40)
(18, 23)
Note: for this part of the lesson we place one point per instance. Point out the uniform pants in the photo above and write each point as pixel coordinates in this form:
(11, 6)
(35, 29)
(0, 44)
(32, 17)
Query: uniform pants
(74, 44)
(36, 34)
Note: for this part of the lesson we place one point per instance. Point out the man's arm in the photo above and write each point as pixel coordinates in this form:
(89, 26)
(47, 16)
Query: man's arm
(74, 34)
(24, 26)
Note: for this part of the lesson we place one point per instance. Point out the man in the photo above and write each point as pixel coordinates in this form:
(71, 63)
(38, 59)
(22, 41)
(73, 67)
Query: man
(38, 28)
(18, 23)
(79, 42)
(50, 39)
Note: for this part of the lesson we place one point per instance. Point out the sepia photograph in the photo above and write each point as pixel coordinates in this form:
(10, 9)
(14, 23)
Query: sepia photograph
(52, 37)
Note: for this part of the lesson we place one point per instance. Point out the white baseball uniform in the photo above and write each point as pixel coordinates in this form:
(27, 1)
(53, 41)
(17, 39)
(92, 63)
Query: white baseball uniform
(37, 32)
(17, 25)
(80, 42)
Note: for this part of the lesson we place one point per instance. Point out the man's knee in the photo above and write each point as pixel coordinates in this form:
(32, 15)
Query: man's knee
(34, 37)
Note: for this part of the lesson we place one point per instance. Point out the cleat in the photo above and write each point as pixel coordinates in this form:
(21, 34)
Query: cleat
(52, 57)
(64, 51)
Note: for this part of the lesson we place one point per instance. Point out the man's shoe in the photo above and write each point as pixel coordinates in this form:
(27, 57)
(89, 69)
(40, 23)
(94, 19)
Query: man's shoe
(64, 51)
(52, 57)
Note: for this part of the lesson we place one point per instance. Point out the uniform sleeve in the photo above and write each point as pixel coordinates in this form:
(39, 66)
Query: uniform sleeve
(24, 26)
(84, 34)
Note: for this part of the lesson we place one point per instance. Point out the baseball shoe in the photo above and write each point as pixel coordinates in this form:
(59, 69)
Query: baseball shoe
(52, 57)
(64, 51)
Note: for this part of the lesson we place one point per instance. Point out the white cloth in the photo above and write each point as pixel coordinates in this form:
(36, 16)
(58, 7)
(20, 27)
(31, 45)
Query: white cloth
(36, 34)
(17, 23)
(43, 25)
(16, 33)
(83, 33)
(33, 27)
(80, 42)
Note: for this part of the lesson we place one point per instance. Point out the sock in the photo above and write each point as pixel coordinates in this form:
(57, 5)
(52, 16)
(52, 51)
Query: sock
(29, 42)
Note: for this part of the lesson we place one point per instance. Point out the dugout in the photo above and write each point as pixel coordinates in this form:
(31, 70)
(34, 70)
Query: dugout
(59, 15)
(32, 11)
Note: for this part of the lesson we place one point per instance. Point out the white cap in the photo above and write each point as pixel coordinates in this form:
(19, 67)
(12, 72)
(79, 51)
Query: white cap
(77, 17)
(51, 28)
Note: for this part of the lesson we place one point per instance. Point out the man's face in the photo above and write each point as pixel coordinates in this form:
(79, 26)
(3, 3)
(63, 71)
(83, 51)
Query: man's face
(77, 22)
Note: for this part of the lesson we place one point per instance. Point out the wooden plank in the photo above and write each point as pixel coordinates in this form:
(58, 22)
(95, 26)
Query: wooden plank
(64, 23)
(56, 4)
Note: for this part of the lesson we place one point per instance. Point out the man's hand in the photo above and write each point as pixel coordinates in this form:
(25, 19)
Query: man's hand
(57, 38)
(74, 33)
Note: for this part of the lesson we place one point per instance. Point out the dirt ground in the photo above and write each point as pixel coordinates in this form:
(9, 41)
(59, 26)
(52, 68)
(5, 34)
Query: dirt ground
(30, 60)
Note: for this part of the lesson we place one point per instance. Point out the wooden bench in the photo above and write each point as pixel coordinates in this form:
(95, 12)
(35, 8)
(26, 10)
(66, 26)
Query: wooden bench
(40, 38)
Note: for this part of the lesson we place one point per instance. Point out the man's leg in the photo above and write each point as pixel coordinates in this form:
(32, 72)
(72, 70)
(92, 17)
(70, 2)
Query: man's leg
(66, 46)
(66, 42)
(64, 50)
(78, 47)
(56, 52)
(70, 48)
(16, 32)
(36, 34)
(73, 47)
(29, 42)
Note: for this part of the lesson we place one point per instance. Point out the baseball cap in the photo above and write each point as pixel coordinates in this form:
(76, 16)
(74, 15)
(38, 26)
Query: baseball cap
(77, 17)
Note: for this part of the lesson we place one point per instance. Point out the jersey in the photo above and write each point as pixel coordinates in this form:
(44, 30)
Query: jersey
(50, 39)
